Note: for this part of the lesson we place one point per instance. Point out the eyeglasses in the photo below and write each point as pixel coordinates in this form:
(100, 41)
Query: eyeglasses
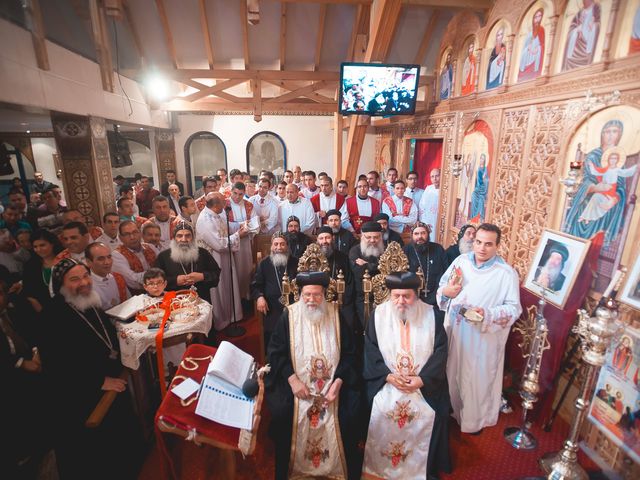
(157, 283)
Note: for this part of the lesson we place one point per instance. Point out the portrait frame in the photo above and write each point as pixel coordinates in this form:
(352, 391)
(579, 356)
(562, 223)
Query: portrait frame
(553, 241)
(630, 294)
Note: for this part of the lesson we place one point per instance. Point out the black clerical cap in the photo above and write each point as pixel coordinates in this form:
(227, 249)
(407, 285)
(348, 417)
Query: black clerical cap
(325, 229)
(183, 226)
(59, 271)
(561, 249)
(278, 234)
(463, 229)
(293, 218)
(371, 227)
(401, 280)
(420, 225)
(334, 211)
(381, 216)
(312, 278)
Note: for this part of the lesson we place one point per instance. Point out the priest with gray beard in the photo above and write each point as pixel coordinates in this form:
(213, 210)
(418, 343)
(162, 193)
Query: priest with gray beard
(365, 256)
(466, 235)
(188, 266)
(266, 287)
(81, 356)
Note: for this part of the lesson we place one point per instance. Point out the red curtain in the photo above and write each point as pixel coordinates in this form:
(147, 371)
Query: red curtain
(427, 156)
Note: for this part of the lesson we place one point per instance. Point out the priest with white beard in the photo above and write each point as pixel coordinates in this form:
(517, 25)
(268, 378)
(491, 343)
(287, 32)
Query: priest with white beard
(81, 355)
(213, 235)
(313, 385)
(266, 287)
(406, 385)
(480, 296)
(186, 265)
(466, 235)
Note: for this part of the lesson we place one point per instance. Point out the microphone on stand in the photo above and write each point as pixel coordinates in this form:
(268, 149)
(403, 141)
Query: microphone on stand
(233, 329)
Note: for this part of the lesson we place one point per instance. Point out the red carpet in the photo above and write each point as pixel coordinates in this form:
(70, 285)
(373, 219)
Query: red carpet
(483, 457)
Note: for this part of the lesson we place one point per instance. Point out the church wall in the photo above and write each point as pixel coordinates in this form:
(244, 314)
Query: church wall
(72, 85)
(308, 139)
(43, 150)
(535, 127)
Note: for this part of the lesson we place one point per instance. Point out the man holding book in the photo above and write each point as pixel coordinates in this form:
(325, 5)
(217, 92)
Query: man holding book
(313, 385)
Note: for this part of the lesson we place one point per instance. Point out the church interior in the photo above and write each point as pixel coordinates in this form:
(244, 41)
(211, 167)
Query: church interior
(528, 111)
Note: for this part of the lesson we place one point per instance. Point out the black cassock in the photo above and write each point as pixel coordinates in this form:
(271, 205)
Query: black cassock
(435, 390)
(205, 264)
(393, 237)
(298, 243)
(279, 397)
(78, 361)
(343, 241)
(452, 252)
(358, 273)
(433, 261)
(267, 283)
(339, 261)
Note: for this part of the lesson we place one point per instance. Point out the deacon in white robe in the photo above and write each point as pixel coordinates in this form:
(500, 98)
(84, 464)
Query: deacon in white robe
(111, 287)
(428, 205)
(132, 258)
(265, 206)
(297, 207)
(211, 233)
(406, 384)
(241, 212)
(480, 282)
(402, 211)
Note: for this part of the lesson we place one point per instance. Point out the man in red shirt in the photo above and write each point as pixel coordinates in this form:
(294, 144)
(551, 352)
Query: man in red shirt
(145, 196)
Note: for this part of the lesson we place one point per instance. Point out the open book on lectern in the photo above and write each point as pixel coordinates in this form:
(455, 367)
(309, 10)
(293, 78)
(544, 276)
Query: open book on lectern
(221, 398)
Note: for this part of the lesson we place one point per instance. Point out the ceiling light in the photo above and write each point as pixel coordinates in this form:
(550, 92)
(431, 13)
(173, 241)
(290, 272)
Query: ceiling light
(24, 124)
(141, 128)
(28, 131)
(158, 87)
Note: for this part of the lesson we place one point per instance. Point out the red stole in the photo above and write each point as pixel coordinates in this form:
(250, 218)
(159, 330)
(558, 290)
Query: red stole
(134, 262)
(140, 221)
(201, 203)
(354, 215)
(315, 201)
(62, 255)
(122, 286)
(95, 232)
(248, 207)
(406, 205)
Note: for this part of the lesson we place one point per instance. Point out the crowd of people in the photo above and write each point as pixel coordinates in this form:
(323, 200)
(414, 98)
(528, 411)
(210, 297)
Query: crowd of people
(350, 394)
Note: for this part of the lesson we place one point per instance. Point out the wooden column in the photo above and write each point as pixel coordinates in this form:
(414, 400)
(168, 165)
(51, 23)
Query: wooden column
(166, 156)
(506, 79)
(548, 57)
(86, 164)
(337, 147)
(478, 54)
(606, 47)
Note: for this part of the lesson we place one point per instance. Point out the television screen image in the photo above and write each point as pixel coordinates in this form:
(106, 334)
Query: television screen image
(378, 89)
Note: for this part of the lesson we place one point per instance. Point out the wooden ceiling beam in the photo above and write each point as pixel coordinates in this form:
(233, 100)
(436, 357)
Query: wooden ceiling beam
(204, 24)
(256, 86)
(33, 17)
(205, 92)
(297, 93)
(283, 34)
(102, 44)
(134, 33)
(426, 38)
(320, 37)
(315, 96)
(275, 75)
(381, 34)
(244, 19)
(247, 106)
(168, 36)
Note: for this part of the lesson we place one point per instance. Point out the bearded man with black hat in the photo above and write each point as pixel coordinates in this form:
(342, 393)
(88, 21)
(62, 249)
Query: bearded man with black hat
(266, 287)
(466, 235)
(429, 256)
(365, 256)
(312, 385)
(297, 240)
(388, 235)
(550, 274)
(82, 357)
(343, 239)
(405, 375)
(186, 265)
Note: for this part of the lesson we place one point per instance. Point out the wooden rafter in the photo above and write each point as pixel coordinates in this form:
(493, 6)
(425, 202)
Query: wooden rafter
(219, 87)
(134, 33)
(245, 32)
(256, 86)
(315, 96)
(426, 38)
(300, 75)
(164, 19)
(297, 93)
(102, 44)
(33, 17)
(320, 37)
(283, 35)
(204, 23)
(247, 105)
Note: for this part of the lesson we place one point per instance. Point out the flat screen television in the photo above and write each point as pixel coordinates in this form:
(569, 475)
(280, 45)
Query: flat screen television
(378, 89)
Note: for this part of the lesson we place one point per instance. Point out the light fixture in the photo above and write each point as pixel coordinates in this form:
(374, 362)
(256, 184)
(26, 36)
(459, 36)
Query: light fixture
(141, 128)
(28, 131)
(158, 87)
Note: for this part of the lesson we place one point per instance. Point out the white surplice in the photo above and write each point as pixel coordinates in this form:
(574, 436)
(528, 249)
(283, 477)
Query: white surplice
(476, 351)
(244, 255)
(211, 234)
(301, 209)
(428, 209)
(267, 209)
(316, 444)
(401, 424)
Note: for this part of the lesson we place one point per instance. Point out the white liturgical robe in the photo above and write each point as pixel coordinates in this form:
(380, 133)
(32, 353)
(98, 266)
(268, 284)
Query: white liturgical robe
(243, 257)
(112, 243)
(107, 288)
(301, 209)
(211, 233)
(121, 265)
(399, 222)
(267, 209)
(428, 209)
(476, 350)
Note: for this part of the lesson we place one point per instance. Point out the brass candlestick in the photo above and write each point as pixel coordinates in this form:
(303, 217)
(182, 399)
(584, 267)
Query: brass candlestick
(596, 334)
(520, 437)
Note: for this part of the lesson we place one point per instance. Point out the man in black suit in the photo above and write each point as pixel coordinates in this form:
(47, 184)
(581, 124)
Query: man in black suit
(266, 287)
(171, 178)
(388, 235)
(343, 239)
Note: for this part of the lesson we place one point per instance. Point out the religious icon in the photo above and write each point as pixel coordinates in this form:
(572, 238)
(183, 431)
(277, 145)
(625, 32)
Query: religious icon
(446, 77)
(549, 271)
(316, 411)
(469, 71)
(404, 364)
(634, 41)
(582, 38)
(402, 413)
(623, 355)
(631, 292)
(497, 58)
(396, 453)
(315, 452)
(319, 371)
(532, 54)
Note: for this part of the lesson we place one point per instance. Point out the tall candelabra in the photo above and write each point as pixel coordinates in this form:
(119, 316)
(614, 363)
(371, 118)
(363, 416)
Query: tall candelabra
(596, 334)
(520, 437)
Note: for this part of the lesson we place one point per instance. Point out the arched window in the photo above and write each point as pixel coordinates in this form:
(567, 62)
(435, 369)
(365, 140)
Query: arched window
(266, 151)
(204, 154)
